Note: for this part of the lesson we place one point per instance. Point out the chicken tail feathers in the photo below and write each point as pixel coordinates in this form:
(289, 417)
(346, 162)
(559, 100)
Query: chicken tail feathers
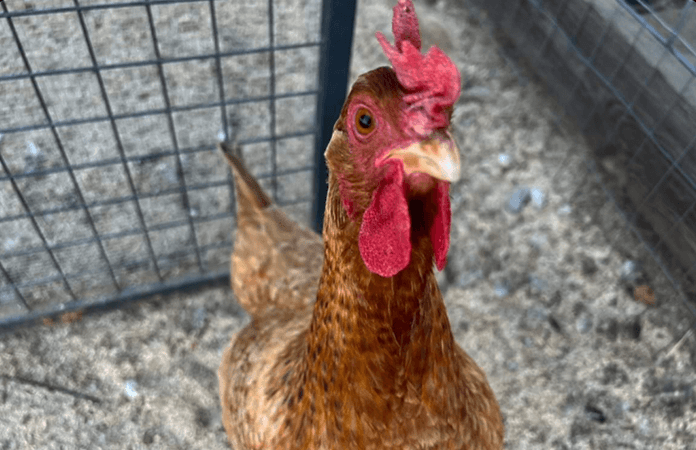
(275, 263)
(250, 195)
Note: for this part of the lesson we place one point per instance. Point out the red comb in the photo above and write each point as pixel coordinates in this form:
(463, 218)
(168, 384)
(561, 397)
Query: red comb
(405, 25)
(431, 80)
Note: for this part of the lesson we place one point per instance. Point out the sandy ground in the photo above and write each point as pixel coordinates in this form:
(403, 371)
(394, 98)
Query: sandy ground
(539, 291)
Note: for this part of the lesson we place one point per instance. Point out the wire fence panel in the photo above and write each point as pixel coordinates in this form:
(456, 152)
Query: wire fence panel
(625, 70)
(110, 185)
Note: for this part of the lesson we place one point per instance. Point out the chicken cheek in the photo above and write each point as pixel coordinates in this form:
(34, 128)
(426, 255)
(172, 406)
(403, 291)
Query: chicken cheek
(385, 232)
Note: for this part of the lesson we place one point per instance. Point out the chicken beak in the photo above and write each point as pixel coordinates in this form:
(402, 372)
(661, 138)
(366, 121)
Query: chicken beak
(437, 156)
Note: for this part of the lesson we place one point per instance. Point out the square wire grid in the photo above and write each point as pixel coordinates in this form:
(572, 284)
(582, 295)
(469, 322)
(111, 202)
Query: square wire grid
(110, 184)
(625, 70)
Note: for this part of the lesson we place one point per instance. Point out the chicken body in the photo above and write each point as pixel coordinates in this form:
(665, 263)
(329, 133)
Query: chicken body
(354, 350)
(372, 364)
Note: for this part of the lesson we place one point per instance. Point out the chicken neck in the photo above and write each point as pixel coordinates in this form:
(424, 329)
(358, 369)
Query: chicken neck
(373, 338)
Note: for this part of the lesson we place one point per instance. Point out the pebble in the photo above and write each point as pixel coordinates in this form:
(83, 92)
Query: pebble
(565, 209)
(504, 160)
(129, 389)
(34, 157)
(538, 240)
(631, 271)
(538, 198)
(518, 200)
(500, 289)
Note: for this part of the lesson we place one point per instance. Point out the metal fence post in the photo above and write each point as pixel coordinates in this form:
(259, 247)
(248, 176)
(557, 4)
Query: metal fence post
(338, 17)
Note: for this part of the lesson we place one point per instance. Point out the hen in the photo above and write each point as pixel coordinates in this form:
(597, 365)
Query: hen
(355, 351)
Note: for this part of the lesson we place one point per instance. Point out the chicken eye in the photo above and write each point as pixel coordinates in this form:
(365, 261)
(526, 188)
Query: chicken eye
(364, 121)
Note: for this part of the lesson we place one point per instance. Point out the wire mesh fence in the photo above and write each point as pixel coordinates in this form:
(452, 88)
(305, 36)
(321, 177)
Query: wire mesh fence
(111, 188)
(625, 70)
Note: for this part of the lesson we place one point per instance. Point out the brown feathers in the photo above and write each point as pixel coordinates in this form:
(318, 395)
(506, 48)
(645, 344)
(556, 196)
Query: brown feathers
(276, 262)
(371, 364)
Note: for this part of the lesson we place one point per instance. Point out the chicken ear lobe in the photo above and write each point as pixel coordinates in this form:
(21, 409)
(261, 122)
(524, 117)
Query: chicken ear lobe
(385, 232)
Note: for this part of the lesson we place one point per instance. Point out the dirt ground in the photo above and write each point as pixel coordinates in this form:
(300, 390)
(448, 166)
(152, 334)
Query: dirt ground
(540, 292)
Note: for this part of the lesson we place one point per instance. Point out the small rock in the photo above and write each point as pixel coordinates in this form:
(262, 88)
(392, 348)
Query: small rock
(501, 289)
(538, 241)
(538, 198)
(518, 200)
(631, 271)
(504, 160)
(129, 389)
(564, 210)
(34, 158)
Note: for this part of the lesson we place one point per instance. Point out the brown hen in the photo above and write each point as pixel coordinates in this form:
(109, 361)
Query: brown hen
(355, 351)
